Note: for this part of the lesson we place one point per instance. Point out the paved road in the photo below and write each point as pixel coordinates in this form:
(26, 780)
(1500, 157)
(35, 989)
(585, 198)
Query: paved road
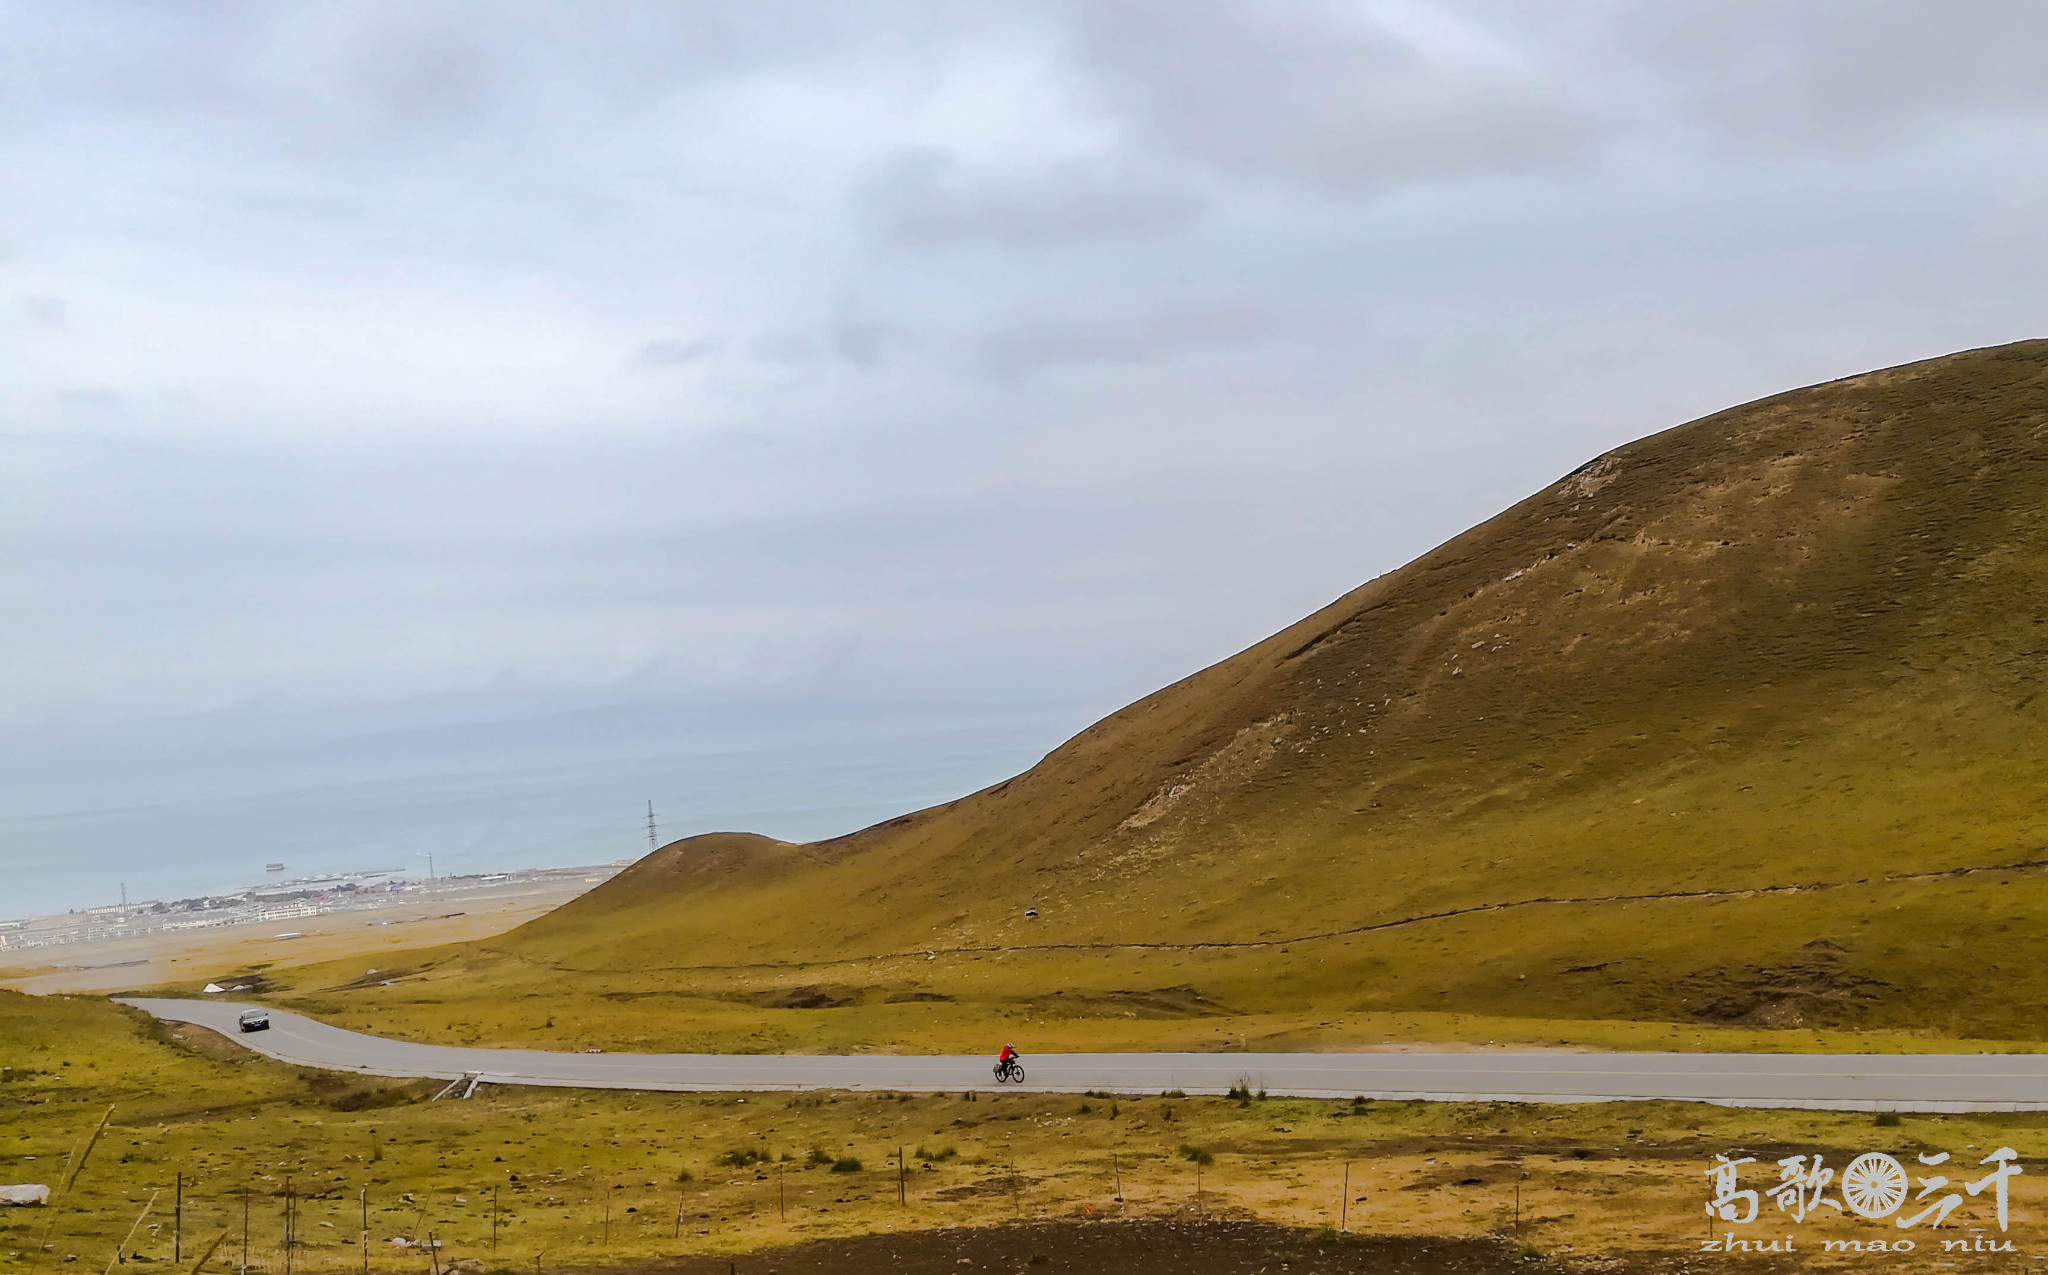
(1911, 1082)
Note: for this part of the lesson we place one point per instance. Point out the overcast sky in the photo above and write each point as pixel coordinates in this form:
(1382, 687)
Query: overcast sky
(442, 426)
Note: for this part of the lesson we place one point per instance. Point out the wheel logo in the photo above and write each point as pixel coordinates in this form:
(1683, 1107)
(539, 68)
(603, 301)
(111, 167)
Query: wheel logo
(1874, 1185)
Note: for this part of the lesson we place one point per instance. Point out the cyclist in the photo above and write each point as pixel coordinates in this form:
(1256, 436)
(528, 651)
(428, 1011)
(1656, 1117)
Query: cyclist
(1007, 1066)
(1009, 1053)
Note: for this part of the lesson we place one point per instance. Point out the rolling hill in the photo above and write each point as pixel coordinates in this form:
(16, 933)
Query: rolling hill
(1738, 723)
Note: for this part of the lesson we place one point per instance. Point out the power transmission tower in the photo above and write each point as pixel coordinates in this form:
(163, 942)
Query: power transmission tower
(652, 844)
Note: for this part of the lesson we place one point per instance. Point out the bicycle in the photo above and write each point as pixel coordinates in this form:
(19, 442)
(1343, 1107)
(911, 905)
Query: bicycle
(1008, 1071)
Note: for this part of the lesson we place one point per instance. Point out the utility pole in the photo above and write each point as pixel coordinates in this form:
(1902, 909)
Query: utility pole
(653, 843)
(178, 1222)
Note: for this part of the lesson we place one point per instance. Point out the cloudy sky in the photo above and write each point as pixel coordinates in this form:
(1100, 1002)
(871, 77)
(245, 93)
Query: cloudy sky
(443, 426)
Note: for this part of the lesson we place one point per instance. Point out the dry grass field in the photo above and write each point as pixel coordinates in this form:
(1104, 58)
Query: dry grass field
(618, 1179)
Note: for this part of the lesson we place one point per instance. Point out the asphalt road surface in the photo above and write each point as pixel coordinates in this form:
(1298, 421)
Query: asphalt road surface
(1866, 1082)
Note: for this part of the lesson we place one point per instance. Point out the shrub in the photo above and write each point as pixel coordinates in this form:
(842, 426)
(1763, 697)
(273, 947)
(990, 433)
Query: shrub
(846, 1164)
(1199, 1155)
(818, 1155)
(930, 1156)
(1887, 1120)
(741, 1157)
(1240, 1093)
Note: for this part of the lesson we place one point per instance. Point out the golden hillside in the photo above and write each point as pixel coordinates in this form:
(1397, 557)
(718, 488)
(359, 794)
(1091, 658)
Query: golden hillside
(1738, 722)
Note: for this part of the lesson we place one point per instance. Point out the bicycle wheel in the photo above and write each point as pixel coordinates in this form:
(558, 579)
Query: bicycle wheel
(1017, 1072)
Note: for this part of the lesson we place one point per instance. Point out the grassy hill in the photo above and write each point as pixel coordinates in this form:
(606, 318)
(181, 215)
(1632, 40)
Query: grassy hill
(1736, 724)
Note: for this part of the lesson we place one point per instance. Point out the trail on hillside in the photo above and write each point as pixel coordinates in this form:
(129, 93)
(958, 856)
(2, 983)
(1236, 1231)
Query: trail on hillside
(1201, 945)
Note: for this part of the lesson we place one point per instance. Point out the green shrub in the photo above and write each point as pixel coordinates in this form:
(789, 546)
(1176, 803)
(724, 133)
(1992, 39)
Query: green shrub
(1199, 1155)
(846, 1164)
(1887, 1120)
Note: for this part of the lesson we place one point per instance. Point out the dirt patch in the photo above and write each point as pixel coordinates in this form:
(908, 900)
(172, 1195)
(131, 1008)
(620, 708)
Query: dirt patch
(251, 983)
(808, 998)
(1812, 986)
(1230, 766)
(375, 978)
(339, 1091)
(200, 1042)
(1000, 1184)
(1148, 1247)
(1160, 1002)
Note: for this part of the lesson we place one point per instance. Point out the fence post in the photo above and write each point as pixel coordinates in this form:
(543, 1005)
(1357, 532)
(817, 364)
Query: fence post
(1344, 1201)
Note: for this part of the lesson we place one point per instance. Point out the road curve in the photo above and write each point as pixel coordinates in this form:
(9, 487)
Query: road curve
(1859, 1082)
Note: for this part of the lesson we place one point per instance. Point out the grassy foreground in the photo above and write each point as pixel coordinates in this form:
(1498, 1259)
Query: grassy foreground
(577, 1179)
